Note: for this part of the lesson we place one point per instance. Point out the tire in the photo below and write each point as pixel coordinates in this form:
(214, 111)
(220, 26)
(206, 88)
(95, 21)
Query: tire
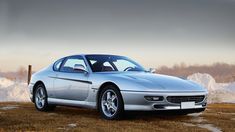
(110, 103)
(40, 99)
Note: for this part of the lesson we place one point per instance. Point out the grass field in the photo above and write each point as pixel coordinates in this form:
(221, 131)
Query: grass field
(23, 116)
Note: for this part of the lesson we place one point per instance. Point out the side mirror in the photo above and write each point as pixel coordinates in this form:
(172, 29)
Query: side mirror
(152, 70)
(79, 68)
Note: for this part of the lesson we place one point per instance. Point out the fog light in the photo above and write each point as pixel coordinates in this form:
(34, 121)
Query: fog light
(204, 104)
(159, 106)
(154, 98)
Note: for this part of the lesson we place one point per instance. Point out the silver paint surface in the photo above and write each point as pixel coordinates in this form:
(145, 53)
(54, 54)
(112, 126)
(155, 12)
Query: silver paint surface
(80, 89)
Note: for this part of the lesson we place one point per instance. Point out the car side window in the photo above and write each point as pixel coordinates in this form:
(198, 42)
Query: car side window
(107, 67)
(57, 65)
(123, 64)
(69, 64)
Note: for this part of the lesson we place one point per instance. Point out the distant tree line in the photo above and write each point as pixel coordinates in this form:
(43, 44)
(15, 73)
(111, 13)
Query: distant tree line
(222, 72)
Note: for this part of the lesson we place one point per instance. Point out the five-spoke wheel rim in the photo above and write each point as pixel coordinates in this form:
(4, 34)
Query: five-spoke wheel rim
(109, 103)
(40, 97)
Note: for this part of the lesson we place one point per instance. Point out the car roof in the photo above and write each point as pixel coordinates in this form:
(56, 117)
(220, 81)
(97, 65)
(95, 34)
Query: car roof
(92, 54)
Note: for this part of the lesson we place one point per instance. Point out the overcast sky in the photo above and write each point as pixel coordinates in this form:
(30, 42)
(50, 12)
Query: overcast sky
(152, 32)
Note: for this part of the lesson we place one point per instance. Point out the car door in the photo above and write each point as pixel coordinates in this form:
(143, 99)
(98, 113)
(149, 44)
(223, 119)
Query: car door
(71, 84)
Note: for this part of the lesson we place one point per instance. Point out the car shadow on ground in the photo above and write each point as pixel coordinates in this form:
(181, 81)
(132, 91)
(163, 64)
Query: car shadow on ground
(128, 115)
(148, 115)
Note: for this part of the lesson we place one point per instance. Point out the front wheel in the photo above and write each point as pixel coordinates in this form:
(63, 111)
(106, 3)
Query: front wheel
(40, 97)
(111, 104)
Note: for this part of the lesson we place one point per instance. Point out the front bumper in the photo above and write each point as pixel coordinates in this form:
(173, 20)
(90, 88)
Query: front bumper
(135, 101)
(30, 87)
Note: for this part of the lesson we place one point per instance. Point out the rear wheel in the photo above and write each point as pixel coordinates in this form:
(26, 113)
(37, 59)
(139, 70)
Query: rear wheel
(40, 98)
(110, 103)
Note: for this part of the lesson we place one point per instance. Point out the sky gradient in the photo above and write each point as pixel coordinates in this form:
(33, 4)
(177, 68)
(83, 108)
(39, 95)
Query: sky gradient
(152, 32)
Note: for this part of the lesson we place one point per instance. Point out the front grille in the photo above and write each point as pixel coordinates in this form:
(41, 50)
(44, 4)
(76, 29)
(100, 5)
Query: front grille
(179, 99)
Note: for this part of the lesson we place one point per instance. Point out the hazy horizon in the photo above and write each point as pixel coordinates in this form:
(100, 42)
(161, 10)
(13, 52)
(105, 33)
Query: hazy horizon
(154, 33)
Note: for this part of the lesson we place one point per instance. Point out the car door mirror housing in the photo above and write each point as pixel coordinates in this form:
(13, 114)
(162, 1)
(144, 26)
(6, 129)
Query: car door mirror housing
(79, 68)
(152, 70)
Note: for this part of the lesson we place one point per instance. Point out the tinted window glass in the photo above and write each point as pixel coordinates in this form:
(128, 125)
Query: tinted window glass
(123, 64)
(70, 63)
(57, 64)
(105, 63)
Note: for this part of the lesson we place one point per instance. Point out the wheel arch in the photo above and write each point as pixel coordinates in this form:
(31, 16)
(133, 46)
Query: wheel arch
(103, 86)
(35, 86)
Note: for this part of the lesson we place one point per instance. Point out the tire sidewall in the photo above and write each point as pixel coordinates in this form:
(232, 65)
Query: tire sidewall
(44, 108)
(120, 107)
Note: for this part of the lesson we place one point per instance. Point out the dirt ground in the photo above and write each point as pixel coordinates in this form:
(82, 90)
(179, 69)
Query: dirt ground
(24, 117)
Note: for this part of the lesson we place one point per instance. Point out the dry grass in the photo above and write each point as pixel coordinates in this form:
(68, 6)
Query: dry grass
(26, 118)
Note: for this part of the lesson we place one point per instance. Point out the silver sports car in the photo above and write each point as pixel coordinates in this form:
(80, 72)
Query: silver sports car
(112, 84)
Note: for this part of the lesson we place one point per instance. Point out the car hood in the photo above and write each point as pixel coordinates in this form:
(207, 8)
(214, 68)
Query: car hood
(158, 82)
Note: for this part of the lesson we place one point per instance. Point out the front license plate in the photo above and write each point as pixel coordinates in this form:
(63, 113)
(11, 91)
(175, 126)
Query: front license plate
(187, 105)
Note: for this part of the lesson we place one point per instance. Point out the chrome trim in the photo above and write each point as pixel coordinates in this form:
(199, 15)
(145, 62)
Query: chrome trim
(75, 80)
(109, 103)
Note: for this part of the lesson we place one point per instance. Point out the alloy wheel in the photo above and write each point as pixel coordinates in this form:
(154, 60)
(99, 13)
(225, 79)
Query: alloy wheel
(40, 97)
(109, 103)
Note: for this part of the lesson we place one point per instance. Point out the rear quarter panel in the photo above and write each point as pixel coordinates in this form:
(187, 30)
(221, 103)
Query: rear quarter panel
(44, 76)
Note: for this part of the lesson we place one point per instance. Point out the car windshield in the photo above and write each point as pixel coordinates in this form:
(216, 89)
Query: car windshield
(107, 63)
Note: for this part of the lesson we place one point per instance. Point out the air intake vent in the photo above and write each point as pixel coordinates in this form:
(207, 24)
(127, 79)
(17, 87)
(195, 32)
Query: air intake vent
(179, 99)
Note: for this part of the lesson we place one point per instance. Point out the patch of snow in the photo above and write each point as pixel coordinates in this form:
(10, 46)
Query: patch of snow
(72, 125)
(195, 114)
(226, 113)
(231, 86)
(61, 128)
(198, 120)
(13, 91)
(189, 124)
(196, 117)
(5, 82)
(209, 127)
(51, 114)
(218, 92)
(9, 107)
